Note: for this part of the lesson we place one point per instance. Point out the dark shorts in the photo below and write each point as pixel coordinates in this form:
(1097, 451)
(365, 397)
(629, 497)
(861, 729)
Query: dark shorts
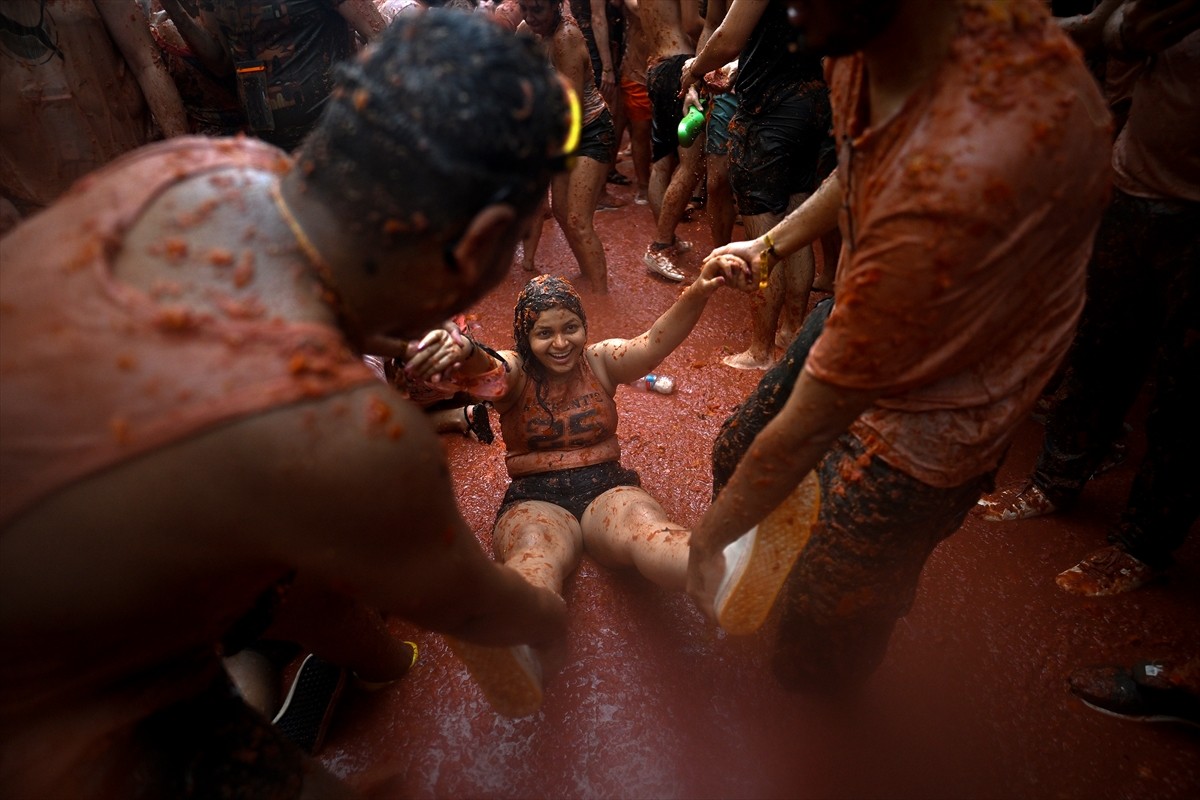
(779, 152)
(572, 489)
(598, 139)
(721, 111)
(214, 745)
(662, 82)
(877, 526)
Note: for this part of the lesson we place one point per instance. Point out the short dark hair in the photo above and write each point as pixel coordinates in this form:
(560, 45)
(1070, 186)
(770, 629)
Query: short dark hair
(441, 116)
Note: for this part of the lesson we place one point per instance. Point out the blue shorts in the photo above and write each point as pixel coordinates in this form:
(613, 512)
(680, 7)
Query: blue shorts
(721, 109)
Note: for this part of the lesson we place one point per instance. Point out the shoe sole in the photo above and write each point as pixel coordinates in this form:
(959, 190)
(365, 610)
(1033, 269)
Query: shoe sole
(308, 708)
(1140, 718)
(762, 559)
(509, 677)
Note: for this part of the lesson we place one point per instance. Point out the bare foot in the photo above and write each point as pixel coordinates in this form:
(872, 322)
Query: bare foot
(746, 360)
(784, 338)
(823, 284)
(528, 266)
(608, 202)
(1024, 501)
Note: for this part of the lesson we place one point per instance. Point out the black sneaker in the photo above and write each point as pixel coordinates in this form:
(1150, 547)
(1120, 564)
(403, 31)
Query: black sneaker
(308, 708)
(1145, 693)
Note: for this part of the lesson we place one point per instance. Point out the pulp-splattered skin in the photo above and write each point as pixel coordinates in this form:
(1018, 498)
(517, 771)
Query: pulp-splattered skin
(925, 362)
(179, 332)
(80, 83)
(574, 195)
(553, 374)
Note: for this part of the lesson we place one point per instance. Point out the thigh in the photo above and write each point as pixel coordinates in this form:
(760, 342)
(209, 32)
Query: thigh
(535, 525)
(616, 517)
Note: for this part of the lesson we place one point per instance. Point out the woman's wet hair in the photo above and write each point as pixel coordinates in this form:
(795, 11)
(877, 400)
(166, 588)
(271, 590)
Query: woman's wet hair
(541, 294)
(444, 114)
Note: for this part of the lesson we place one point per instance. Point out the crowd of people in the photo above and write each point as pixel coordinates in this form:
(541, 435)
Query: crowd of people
(321, 207)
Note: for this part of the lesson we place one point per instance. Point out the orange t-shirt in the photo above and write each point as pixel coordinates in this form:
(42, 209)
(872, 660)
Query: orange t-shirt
(574, 425)
(96, 371)
(968, 222)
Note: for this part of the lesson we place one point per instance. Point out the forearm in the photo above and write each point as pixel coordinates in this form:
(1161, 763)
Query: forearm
(600, 34)
(786, 450)
(1087, 30)
(203, 44)
(816, 216)
(131, 33)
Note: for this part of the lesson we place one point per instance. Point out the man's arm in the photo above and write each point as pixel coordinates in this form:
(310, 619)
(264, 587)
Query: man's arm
(130, 30)
(201, 35)
(726, 42)
(355, 492)
(787, 449)
(608, 80)
(363, 17)
(815, 217)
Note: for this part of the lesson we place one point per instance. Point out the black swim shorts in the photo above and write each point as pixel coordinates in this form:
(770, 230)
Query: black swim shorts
(572, 489)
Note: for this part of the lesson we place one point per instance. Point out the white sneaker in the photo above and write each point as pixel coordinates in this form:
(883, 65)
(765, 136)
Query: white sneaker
(659, 262)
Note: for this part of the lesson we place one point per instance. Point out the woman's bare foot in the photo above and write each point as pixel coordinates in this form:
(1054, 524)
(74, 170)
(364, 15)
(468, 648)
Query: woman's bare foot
(747, 360)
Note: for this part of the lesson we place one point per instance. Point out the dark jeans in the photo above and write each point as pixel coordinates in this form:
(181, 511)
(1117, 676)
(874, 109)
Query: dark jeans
(859, 571)
(1141, 318)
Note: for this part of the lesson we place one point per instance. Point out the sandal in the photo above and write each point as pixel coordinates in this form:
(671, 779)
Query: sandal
(479, 423)
(617, 178)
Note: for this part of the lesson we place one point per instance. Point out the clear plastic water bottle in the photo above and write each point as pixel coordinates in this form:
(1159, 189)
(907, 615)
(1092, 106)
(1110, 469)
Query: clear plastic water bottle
(655, 383)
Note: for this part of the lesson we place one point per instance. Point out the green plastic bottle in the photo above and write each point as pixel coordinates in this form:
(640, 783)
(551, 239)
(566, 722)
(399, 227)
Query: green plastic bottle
(691, 126)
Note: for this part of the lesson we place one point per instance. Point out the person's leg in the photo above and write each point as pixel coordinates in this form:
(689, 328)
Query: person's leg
(541, 541)
(859, 571)
(638, 113)
(586, 181)
(1109, 359)
(661, 170)
(766, 305)
(678, 193)
(753, 414)
(529, 244)
(1164, 501)
(626, 527)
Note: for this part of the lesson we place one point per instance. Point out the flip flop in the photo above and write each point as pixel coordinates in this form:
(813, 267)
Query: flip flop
(758, 562)
(479, 423)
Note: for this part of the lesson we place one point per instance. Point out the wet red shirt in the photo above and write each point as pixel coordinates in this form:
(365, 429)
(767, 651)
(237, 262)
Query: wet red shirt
(968, 221)
(573, 425)
(96, 371)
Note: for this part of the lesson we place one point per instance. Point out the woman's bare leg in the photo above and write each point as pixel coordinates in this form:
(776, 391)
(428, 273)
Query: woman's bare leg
(627, 527)
(575, 215)
(541, 541)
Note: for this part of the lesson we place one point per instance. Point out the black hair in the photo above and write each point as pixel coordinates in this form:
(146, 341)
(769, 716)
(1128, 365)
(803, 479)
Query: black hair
(444, 114)
(541, 294)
